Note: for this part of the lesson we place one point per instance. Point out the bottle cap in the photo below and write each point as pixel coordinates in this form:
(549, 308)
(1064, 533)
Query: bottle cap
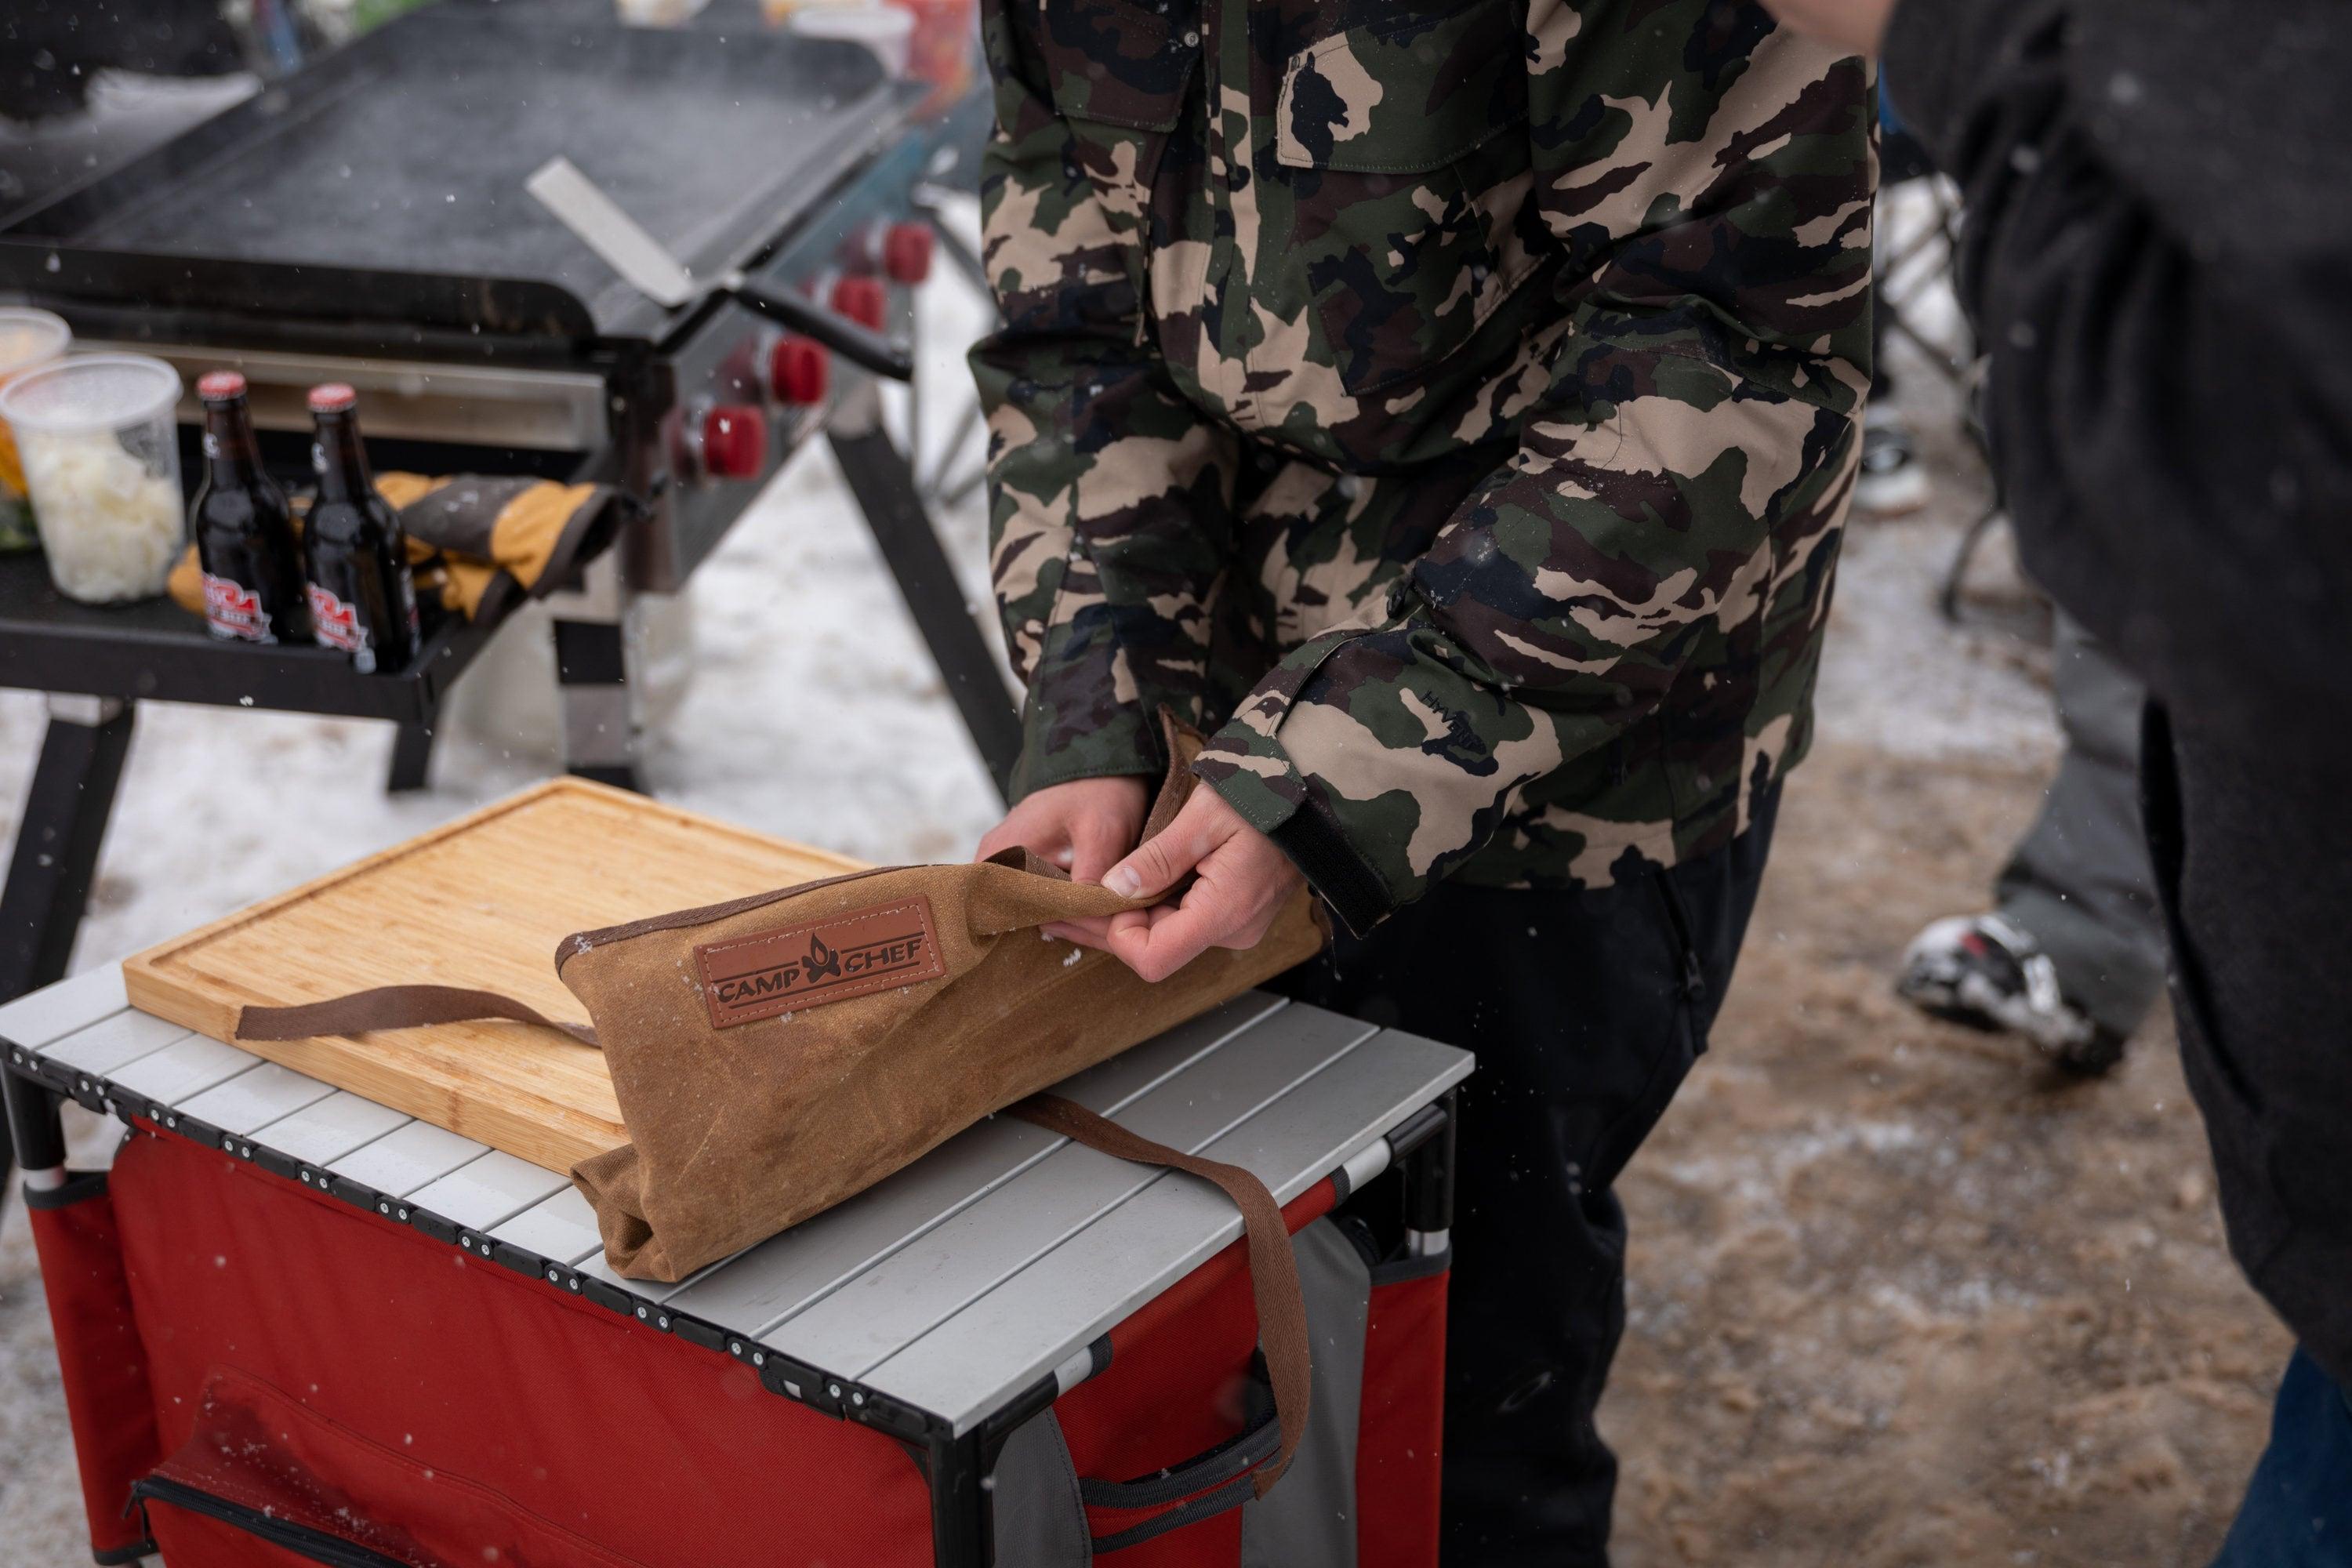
(220, 386)
(334, 397)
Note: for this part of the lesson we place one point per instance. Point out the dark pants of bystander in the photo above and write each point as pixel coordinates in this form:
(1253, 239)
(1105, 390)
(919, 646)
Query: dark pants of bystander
(1586, 1009)
(2298, 1507)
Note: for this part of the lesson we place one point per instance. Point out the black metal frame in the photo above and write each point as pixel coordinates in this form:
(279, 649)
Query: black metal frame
(884, 484)
(957, 1468)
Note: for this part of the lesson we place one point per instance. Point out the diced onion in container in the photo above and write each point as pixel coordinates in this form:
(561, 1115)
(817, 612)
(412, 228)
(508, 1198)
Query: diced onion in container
(97, 436)
(111, 525)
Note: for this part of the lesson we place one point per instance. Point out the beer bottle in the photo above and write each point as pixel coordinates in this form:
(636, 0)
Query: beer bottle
(244, 530)
(362, 600)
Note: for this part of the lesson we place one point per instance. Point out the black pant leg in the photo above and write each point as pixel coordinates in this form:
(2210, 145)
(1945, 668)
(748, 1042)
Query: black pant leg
(1586, 1010)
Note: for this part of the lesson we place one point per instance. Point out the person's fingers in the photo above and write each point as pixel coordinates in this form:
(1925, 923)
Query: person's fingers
(1018, 832)
(1097, 841)
(1093, 934)
(1159, 861)
(1167, 939)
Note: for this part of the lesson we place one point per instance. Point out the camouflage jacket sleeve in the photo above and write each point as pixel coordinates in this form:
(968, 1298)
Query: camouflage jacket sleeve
(1110, 494)
(1708, 183)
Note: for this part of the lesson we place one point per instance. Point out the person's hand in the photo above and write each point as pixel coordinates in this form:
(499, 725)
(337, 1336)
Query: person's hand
(1241, 885)
(1858, 26)
(1082, 826)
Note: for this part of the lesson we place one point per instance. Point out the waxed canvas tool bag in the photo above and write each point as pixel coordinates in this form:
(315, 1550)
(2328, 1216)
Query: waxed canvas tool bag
(778, 1053)
(775, 1054)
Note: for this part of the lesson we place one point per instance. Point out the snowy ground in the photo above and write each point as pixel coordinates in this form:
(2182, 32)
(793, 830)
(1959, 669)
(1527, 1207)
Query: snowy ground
(1884, 1310)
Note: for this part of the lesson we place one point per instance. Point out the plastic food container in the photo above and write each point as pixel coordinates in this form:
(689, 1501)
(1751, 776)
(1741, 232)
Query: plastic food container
(102, 465)
(28, 340)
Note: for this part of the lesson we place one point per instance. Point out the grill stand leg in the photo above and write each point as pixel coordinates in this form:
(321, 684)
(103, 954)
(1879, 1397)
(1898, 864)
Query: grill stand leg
(49, 875)
(412, 755)
(592, 672)
(885, 489)
(58, 838)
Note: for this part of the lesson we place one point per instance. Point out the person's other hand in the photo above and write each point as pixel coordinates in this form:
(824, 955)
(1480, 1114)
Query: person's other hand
(1084, 826)
(1241, 885)
(1859, 26)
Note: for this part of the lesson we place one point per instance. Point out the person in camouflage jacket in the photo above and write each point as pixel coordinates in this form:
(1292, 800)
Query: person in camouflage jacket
(1449, 407)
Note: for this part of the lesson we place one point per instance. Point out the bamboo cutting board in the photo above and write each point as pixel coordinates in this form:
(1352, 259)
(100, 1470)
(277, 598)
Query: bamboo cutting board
(481, 902)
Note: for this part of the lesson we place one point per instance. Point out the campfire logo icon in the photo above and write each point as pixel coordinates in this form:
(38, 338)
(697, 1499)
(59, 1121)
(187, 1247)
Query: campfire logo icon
(822, 961)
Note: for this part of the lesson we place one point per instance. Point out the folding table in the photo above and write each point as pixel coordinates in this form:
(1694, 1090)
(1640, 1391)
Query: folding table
(944, 1307)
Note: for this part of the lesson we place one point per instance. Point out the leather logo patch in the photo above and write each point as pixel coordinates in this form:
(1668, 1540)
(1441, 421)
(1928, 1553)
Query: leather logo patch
(807, 966)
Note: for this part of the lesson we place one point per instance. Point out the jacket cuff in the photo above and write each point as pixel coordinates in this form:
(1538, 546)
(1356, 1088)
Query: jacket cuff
(1058, 745)
(1941, 56)
(1248, 766)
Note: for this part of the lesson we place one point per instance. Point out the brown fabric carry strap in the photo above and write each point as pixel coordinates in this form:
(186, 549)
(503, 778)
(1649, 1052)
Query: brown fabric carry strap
(393, 1008)
(1274, 1267)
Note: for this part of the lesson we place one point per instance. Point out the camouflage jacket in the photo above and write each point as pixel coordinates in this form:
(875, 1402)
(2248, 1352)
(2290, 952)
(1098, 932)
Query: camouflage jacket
(1452, 405)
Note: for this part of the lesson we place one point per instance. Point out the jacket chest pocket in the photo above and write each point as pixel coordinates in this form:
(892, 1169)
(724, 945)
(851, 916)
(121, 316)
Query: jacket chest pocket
(1407, 179)
(1119, 70)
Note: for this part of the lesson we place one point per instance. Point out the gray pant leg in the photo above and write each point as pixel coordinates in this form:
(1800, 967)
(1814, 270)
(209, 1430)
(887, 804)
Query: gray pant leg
(2079, 881)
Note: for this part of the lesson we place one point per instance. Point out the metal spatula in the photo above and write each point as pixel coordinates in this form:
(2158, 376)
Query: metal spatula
(648, 266)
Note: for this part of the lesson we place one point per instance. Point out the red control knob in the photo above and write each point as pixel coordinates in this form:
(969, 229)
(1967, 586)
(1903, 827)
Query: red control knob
(862, 300)
(734, 442)
(907, 252)
(799, 369)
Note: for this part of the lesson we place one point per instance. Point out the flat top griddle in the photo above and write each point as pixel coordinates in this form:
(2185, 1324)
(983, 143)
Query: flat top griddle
(406, 152)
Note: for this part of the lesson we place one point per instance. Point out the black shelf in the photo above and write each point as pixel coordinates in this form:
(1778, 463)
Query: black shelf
(155, 651)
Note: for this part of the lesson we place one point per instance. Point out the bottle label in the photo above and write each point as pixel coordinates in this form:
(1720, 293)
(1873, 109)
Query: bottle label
(336, 624)
(232, 610)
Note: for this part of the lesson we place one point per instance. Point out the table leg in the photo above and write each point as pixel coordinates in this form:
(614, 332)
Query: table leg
(885, 489)
(964, 1528)
(1429, 1185)
(32, 1129)
(58, 838)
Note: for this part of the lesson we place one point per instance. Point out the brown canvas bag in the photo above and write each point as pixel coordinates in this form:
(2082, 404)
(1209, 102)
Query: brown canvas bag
(778, 1053)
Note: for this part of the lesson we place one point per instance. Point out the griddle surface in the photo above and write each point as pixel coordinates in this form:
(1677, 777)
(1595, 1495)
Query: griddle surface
(407, 151)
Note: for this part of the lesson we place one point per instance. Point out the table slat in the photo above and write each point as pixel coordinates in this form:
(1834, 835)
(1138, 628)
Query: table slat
(326, 1129)
(39, 1017)
(407, 1158)
(784, 1273)
(112, 1044)
(255, 1098)
(994, 1347)
(181, 1071)
(481, 1193)
(562, 1227)
(890, 1305)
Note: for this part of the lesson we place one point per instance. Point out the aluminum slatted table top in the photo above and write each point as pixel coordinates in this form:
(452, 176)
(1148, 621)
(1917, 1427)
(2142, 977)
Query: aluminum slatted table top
(945, 1291)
